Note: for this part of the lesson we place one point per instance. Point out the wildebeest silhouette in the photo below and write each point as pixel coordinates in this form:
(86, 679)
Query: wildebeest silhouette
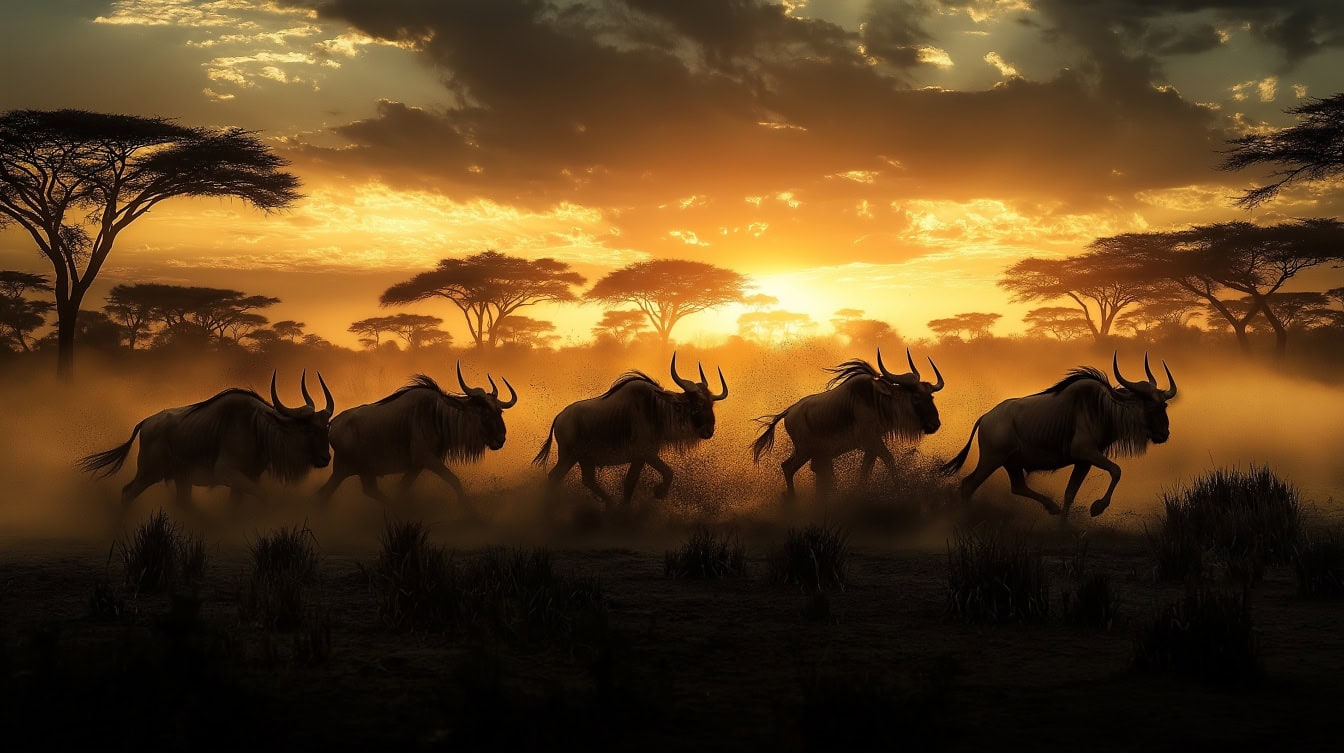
(628, 425)
(227, 440)
(861, 408)
(1080, 421)
(417, 428)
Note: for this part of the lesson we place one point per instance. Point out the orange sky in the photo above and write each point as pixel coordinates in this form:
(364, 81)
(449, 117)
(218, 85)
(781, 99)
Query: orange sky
(888, 155)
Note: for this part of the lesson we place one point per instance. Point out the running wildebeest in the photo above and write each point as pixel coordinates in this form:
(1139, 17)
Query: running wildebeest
(229, 440)
(417, 428)
(1080, 422)
(859, 410)
(627, 425)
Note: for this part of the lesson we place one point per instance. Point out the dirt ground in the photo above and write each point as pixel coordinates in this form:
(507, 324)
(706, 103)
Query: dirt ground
(737, 664)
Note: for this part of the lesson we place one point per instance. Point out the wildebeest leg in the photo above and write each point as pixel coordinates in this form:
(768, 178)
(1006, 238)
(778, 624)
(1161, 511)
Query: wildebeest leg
(1099, 459)
(881, 452)
(370, 484)
(1018, 477)
(407, 481)
(825, 473)
(561, 469)
(329, 488)
(866, 470)
(1075, 481)
(590, 480)
(449, 478)
(790, 467)
(134, 489)
(660, 491)
(977, 477)
(632, 481)
(239, 484)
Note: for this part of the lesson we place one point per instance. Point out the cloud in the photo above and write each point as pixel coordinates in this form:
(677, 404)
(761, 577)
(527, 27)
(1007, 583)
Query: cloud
(998, 62)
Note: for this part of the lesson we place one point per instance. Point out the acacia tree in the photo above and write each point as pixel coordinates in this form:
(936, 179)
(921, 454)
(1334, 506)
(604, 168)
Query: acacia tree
(1312, 150)
(526, 332)
(74, 180)
(668, 290)
(1163, 314)
(20, 315)
(417, 330)
(976, 324)
(213, 313)
(768, 327)
(488, 288)
(1092, 282)
(1060, 322)
(288, 329)
(861, 333)
(621, 325)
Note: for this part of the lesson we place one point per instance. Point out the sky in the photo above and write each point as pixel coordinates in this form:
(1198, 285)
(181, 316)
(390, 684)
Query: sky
(888, 155)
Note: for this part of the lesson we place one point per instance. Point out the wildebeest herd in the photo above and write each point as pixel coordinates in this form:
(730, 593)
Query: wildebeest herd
(234, 437)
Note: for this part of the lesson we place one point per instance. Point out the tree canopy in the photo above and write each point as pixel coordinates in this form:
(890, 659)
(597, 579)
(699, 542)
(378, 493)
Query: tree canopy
(74, 180)
(1095, 283)
(668, 290)
(975, 324)
(416, 330)
(1059, 322)
(488, 288)
(621, 325)
(19, 315)
(1312, 150)
(166, 311)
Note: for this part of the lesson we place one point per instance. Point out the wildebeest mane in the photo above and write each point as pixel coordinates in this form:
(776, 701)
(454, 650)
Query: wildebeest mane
(223, 394)
(895, 413)
(419, 381)
(1118, 411)
(276, 448)
(851, 369)
(629, 377)
(669, 411)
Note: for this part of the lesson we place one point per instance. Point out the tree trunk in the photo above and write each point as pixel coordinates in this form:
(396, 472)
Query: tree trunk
(1280, 331)
(1239, 328)
(67, 315)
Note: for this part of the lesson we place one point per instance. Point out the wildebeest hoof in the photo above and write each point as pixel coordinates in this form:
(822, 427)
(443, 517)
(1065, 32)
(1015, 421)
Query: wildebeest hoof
(1100, 506)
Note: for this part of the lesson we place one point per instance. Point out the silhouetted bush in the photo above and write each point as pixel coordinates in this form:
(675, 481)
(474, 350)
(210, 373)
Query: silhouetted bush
(816, 558)
(707, 555)
(284, 569)
(994, 579)
(160, 555)
(1249, 519)
(518, 594)
(1092, 603)
(414, 580)
(1207, 635)
(1318, 562)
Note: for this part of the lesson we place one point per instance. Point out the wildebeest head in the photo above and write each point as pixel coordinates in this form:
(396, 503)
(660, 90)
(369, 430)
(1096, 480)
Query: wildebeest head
(1153, 400)
(488, 408)
(306, 421)
(699, 401)
(919, 392)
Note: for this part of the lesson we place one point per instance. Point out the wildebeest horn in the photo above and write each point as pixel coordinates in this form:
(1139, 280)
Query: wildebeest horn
(1149, 371)
(513, 396)
(303, 387)
(463, 383)
(494, 389)
(910, 360)
(882, 367)
(331, 404)
(275, 398)
(704, 380)
(1170, 391)
(723, 382)
(685, 384)
(1115, 367)
(937, 373)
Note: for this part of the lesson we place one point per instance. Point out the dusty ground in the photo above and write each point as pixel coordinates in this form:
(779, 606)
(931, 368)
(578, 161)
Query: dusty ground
(712, 664)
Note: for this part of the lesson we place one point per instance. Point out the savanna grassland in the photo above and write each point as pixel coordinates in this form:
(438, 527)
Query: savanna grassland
(1200, 612)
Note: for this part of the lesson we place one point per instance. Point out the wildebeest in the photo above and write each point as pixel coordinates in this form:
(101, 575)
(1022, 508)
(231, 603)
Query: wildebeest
(1080, 422)
(859, 410)
(417, 428)
(629, 424)
(227, 440)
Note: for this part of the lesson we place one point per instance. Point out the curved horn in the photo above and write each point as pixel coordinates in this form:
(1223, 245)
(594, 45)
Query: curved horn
(938, 373)
(685, 384)
(911, 361)
(463, 383)
(883, 367)
(1149, 371)
(1115, 367)
(513, 396)
(704, 380)
(494, 389)
(303, 387)
(331, 404)
(724, 383)
(275, 398)
(1170, 391)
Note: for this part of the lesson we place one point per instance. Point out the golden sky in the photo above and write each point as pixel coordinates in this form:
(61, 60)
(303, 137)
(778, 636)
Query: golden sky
(888, 155)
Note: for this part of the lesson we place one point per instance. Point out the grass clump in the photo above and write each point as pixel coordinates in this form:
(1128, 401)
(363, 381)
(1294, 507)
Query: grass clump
(1249, 519)
(1318, 563)
(1090, 601)
(414, 580)
(284, 569)
(816, 558)
(1207, 635)
(993, 579)
(707, 555)
(159, 556)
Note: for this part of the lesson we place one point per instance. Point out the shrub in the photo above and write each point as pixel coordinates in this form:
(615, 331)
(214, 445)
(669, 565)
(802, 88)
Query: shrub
(288, 550)
(284, 567)
(1318, 562)
(816, 557)
(517, 593)
(415, 581)
(160, 556)
(707, 555)
(992, 579)
(1207, 635)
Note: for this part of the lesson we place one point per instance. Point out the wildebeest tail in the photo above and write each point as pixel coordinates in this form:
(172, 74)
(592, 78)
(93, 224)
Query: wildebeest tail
(951, 467)
(109, 461)
(545, 452)
(766, 441)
